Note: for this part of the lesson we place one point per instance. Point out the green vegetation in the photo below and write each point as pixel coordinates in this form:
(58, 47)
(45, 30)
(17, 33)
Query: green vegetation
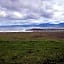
(32, 52)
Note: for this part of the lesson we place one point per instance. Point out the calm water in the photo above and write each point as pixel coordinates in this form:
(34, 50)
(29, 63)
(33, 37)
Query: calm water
(23, 29)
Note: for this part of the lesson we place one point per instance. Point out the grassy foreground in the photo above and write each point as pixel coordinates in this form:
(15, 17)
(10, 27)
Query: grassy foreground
(32, 52)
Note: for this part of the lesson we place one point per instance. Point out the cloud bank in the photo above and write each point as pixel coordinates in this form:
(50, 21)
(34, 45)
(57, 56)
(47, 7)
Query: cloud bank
(31, 11)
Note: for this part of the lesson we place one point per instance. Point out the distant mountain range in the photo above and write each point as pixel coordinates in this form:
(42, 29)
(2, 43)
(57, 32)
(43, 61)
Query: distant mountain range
(37, 25)
(51, 25)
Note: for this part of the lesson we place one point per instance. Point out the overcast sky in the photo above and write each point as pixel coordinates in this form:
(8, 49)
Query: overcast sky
(31, 11)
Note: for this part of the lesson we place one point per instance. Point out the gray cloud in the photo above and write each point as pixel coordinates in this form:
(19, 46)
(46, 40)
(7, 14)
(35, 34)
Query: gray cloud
(32, 9)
